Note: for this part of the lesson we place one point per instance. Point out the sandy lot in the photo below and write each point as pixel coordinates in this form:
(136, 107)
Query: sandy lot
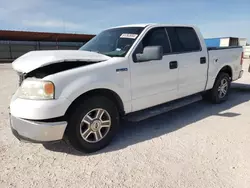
(200, 145)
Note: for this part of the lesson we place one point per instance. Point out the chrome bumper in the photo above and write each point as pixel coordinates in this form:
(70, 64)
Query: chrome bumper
(37, 132)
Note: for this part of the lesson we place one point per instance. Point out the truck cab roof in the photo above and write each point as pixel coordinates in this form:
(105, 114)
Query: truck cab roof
(153, 24)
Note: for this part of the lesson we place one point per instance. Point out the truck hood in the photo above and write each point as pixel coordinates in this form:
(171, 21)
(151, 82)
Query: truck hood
(36, 59)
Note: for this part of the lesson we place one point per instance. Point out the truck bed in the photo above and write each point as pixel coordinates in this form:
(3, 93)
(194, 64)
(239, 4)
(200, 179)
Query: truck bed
(220, 57)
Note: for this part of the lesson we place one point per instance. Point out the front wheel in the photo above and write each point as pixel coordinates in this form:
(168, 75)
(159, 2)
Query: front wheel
(92, 124)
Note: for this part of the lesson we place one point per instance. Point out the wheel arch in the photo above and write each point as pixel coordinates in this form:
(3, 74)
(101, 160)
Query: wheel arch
(112, 95)
(226, 69)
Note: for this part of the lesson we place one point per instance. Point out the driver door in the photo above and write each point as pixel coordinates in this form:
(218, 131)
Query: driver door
(153, 82)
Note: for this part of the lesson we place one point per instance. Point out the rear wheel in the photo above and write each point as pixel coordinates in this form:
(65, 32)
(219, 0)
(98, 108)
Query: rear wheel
(92, 124)
(219, 92)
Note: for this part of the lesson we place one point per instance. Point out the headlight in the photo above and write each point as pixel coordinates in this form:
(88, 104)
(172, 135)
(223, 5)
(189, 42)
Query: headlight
(36, 89)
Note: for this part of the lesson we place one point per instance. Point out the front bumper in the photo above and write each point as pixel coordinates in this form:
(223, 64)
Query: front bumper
(37, 132)
(38, 109)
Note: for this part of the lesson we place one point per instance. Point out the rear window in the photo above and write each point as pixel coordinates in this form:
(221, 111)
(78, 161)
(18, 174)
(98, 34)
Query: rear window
(183, 39)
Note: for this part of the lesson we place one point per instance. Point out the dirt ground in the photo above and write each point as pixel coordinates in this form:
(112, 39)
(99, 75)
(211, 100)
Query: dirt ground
(200, 145)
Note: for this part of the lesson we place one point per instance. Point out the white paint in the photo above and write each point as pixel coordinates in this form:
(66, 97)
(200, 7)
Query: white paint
(153, 82)
(227, 57)
(35, 59)
(143, 85)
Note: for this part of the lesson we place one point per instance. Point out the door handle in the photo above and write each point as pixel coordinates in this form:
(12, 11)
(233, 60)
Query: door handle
(173, 65)
(203, 60)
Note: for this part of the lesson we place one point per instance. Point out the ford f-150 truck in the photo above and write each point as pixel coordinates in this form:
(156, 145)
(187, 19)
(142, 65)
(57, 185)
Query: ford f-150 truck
(131, 72)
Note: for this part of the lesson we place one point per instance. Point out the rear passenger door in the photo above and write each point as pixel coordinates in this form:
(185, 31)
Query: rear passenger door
(192, 60)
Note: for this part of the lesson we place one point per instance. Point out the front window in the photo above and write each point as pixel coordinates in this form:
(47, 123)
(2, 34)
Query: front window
(113, 42)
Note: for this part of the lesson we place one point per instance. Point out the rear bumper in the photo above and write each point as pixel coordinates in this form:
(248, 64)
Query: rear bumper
(37, 132)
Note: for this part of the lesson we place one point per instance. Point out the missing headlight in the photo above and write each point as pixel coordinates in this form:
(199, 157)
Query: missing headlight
(21, 77)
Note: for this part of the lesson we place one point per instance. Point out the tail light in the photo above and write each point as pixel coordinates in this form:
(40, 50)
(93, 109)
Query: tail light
(241, 59)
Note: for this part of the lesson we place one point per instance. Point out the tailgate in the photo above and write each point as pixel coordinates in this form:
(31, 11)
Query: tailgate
(246, 51)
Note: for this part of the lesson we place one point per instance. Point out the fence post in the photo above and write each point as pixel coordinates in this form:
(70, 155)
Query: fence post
(56, 44)
(10, 51)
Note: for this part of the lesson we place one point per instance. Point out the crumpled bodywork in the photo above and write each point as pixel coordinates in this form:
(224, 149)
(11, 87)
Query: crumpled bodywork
(36, 59)
(39, 64)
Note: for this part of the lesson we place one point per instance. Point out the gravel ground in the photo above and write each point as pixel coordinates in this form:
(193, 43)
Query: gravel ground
(200, 145)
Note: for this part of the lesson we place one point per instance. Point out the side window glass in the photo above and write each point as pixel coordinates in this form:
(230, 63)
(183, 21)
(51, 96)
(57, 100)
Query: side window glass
(174, 40)
(188, 39)
(155, 37)
(183, 39)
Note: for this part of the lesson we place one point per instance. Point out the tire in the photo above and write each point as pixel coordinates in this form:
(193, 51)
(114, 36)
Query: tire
(215, 95)
(83, 130)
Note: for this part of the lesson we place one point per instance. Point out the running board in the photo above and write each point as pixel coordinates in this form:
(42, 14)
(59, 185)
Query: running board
(163, 108)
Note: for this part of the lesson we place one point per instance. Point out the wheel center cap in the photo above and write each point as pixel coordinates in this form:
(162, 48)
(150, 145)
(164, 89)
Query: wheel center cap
(95, 125)
(223, 87)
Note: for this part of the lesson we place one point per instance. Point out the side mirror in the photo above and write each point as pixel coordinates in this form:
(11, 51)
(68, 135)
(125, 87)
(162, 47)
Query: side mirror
(150, 53)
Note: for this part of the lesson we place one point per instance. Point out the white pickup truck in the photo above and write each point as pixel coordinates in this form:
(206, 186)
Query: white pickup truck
(131, 72)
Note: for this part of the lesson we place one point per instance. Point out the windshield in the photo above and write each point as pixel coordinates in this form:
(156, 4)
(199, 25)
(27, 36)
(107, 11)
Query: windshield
(113, 42)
